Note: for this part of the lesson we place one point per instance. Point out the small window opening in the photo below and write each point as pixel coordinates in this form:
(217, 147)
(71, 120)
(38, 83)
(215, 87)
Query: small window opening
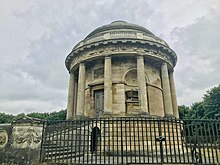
(95, 138)
(132, 95)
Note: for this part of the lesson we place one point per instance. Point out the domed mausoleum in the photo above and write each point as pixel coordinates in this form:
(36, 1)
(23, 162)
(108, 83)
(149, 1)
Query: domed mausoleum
(121, 69)
(121, 84)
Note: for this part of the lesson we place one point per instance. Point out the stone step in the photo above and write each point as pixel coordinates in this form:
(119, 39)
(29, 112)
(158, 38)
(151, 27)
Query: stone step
(99, 159)
(64, 155)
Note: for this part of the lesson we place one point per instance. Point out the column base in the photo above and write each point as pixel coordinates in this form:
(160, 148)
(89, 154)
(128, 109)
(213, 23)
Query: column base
(79, 116)
(144, 114)
(72, 118)
(107, 114)
(170, 116)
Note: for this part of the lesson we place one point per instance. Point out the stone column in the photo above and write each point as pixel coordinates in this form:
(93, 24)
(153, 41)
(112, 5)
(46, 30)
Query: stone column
(81, 91)
(173, 96)
(108, 86)
(142, 92)
(166, 91)
(70, 103)
(75, 96)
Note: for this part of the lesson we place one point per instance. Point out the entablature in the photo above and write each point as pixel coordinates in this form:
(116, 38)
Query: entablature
(121, 47)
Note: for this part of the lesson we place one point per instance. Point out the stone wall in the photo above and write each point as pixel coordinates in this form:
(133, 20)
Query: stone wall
(5, 137)
(20, 142)
(124, 78)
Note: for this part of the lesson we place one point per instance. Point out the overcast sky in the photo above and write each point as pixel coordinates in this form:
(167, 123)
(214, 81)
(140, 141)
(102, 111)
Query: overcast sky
(36, 37)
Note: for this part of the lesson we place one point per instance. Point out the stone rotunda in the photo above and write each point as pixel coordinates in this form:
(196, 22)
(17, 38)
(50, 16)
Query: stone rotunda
(121, 69)
(122, 106)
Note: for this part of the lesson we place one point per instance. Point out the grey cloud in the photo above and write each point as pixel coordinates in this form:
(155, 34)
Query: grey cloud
(198, 46)
(37, 36)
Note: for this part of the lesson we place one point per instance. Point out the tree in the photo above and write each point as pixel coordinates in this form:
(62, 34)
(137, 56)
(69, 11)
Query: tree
(197, 110)
(211, 103)
(184, 112)
(5, 118)
(53, 116)
(208, 108)
(61, 115)
(39, 115)
(17, 117)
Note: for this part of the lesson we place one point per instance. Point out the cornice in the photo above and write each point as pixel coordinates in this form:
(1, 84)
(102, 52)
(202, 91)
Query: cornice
(118, 46)
(121, 34)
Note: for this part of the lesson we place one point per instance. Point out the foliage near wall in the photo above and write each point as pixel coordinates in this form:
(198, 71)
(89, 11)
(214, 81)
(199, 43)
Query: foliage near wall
(60, 115)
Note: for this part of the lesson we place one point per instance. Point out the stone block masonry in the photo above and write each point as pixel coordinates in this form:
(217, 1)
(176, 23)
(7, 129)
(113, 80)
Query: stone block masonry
(117, 59)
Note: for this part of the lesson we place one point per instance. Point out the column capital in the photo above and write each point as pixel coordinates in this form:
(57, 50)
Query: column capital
(140, 56)
(164, 63)
(108, 56)
(171, 70)
(81, 63)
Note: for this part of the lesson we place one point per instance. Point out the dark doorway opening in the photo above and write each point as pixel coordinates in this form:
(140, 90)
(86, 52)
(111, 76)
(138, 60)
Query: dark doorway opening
(95, 138)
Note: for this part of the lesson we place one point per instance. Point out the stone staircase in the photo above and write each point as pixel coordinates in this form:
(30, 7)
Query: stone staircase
(127, 142)
(63, 143)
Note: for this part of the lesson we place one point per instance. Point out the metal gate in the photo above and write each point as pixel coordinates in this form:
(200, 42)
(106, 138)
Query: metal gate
(131, 141)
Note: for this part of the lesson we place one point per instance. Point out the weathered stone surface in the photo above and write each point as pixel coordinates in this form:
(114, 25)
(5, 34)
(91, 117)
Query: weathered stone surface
(3, 138)
(168, 107)
(20, 142)
(108, 85)
(81, 90)
(120, 58)
(26, 136)
(5, 135)
(71, 95)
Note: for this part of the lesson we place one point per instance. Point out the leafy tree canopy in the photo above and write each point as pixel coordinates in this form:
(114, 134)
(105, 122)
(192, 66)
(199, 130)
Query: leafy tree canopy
(5, 118)
(60, 115)
(208, 108)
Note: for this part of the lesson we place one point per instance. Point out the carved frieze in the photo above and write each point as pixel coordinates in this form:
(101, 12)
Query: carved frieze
(120, 49)
(149, 38)
(26, 136)
(120, 34)
(123, 34)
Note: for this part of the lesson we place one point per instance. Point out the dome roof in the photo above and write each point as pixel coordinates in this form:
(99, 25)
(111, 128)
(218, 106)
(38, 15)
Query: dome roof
(122, 33)
(120, 30)
(117, 25)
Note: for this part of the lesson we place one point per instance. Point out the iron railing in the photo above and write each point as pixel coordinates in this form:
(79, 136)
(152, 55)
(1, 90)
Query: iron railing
(131, 141)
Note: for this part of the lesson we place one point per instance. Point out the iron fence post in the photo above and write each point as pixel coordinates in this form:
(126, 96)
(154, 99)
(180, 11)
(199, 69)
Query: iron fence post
(160, 139)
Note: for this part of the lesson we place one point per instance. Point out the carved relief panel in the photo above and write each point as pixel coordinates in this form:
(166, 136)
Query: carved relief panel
(26, 136)
(3, 138)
